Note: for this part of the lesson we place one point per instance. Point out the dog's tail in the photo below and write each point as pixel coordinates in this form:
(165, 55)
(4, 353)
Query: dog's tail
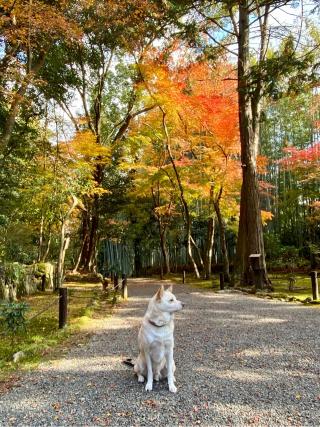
(128, 362)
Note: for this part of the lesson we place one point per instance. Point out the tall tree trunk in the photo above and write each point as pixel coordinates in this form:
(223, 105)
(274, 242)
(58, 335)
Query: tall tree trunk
(44, 257)
(40, 239)
(84, 236)
(223, 243)
(197, 249)
(162, 226)
(189, 249)
(90, 263)
(64, 242)
(164, 251)
(90, 227)
(209, 249)
(137, 257)
(250, 237)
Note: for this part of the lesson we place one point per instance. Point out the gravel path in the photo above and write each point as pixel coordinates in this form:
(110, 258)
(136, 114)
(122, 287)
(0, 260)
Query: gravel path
(240, 361)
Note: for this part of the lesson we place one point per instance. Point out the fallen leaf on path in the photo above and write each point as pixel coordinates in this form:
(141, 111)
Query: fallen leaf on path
(150, 402)
(56, 406)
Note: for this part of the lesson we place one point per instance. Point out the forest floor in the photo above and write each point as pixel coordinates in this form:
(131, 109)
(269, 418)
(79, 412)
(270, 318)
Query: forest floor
(240, 361)
(42, 336)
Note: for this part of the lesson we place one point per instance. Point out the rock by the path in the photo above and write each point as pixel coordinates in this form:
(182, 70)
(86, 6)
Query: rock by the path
(18, 356)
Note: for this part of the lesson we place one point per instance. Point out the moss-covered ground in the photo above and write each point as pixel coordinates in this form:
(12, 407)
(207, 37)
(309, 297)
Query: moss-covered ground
(280, 282)
(42, 336)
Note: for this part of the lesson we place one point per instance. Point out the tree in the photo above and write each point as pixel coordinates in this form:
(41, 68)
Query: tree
(28, 31)
(244, 24)
(195, 130)
(89, 70)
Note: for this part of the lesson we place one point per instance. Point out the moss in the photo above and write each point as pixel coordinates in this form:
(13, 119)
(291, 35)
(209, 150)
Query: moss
(212, 283)
(42, 334)
(302, 291)
(41, 267)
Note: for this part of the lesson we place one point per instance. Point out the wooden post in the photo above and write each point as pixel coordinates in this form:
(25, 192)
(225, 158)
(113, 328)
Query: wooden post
(221, 276)
(124, 288)
(257, 270)
(63, 307)
(314, 283)
(105, 284)
(116, 282)
(184, 276)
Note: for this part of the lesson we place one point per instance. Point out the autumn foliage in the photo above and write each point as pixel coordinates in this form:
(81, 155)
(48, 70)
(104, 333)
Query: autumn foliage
(200, 103)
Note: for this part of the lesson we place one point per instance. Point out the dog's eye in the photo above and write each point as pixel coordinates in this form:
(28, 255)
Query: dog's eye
(172, 300)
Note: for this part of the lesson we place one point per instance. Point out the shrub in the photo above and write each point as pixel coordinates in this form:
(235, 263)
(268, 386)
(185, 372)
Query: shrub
(13, 316)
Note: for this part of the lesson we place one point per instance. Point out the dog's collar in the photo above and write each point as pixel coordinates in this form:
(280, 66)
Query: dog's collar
(154, 324)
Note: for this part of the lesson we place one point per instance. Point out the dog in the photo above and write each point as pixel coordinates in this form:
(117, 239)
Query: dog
(155, 339)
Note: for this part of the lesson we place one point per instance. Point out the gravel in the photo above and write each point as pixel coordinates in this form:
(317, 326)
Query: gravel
(240, 361)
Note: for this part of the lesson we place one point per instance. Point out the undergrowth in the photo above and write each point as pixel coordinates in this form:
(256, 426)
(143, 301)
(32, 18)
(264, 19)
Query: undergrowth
(42, 334)
(302, 288)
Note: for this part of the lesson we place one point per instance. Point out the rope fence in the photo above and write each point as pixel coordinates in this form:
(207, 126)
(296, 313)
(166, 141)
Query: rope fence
(65, 297)
(43, 310)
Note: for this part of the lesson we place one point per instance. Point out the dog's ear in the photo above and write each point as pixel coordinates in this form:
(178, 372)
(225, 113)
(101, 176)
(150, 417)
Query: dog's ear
(169, 288)
(159, 294)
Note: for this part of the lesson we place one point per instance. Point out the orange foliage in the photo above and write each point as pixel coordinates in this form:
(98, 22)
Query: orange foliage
(266, 216)
(201, 107)
(36, 24)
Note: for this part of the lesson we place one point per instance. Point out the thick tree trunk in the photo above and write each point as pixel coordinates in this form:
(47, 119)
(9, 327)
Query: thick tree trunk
(90, 228)
(89, 245)
(209, 249)
(250, 238)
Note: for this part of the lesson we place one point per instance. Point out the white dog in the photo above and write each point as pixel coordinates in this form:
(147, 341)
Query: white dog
(155, 340)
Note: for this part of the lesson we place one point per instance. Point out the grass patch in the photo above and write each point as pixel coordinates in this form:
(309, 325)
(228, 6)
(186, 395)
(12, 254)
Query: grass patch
(302, 288)
(42, 333)
(213, 283)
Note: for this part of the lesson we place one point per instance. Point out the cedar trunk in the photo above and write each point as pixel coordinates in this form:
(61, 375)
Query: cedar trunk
(250, 238)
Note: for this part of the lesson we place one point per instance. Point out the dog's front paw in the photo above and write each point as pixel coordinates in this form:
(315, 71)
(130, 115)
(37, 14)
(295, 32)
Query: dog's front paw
(148, 387)
(140, 379)
(172, 388)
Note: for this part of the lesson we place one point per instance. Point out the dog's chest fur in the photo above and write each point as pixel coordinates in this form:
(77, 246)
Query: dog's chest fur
(161, 334)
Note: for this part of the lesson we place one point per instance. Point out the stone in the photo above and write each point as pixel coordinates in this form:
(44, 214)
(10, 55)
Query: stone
(18, 356)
